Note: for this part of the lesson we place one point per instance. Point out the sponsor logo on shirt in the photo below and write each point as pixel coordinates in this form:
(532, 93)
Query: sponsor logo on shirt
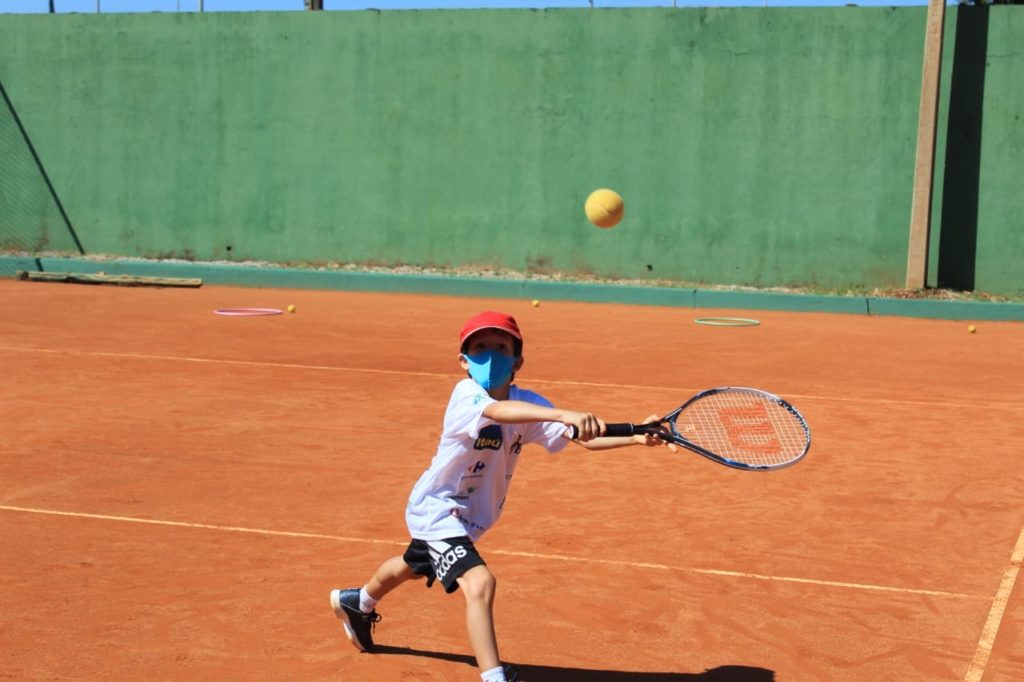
(475, 469)
(466, 522)
(489, 438)
(516, 447)
(463, 496)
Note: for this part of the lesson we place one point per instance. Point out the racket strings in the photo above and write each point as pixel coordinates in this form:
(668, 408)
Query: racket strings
(745, 427)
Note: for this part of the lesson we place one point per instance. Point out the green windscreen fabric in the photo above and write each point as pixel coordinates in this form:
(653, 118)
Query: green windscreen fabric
(31, 218)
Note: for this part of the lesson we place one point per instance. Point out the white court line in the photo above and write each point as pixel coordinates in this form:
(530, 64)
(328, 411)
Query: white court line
(553, 382)
(207, 526)
(531, 555)
(995, 614)
(215, 361)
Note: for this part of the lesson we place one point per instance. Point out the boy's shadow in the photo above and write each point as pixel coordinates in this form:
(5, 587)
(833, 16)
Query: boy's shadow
(547, 673)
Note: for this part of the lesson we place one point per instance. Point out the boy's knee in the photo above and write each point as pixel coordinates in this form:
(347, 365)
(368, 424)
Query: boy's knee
(478, 583)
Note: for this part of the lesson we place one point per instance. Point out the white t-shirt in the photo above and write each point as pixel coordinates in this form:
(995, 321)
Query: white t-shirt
(463, 490)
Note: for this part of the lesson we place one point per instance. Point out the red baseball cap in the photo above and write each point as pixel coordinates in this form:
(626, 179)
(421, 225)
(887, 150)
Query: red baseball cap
(491, 319)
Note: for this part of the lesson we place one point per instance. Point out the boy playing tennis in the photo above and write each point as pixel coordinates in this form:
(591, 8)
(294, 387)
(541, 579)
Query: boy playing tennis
(461, 494)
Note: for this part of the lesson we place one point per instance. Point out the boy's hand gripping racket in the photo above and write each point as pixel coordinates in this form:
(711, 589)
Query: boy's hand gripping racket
(739, 427)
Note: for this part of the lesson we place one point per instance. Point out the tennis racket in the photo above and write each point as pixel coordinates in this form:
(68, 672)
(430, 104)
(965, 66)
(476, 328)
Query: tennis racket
(743, 428)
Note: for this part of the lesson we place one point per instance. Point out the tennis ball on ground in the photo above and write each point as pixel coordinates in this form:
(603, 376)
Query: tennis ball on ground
(291, 308)
(971, 329)
(604, 208)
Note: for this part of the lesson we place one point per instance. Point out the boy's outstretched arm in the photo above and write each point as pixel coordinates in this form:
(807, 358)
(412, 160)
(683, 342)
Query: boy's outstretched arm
(518, 412)
(646, 439)
(590, 427)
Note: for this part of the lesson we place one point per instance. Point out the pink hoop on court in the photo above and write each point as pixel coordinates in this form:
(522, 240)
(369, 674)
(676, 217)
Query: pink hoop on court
(247, 312)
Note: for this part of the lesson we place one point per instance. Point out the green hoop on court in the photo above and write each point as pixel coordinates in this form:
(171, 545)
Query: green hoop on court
(727, 321)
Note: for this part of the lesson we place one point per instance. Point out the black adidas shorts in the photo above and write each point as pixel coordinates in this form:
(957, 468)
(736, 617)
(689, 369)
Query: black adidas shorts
(443, 560)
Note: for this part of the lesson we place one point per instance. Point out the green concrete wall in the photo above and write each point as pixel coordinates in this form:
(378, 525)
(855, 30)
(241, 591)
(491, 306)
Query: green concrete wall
(756, 147)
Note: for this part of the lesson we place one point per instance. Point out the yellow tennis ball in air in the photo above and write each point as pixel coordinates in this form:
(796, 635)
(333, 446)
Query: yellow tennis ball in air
(536, 303)
(604, 208)
(291, 308)
(971, 329)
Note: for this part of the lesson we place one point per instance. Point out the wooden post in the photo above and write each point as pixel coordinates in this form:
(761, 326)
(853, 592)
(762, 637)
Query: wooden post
(924, 166)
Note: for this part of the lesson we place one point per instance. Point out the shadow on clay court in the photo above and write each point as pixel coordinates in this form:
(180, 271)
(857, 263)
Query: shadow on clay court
(547, 673)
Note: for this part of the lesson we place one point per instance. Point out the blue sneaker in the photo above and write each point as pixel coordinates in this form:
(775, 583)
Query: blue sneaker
(358, 625)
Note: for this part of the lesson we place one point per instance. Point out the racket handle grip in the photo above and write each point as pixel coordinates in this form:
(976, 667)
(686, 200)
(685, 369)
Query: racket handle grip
(619, 430)
(611, 430)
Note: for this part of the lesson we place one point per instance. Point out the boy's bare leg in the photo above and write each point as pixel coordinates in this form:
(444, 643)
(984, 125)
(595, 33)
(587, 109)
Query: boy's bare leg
(390, 575)
(478, 585)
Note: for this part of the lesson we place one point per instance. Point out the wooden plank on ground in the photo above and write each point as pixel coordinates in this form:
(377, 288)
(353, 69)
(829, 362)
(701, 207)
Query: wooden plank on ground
(102, 278)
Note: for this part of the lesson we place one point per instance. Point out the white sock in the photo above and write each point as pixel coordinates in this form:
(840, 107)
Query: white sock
(366, 602)
(493, 675)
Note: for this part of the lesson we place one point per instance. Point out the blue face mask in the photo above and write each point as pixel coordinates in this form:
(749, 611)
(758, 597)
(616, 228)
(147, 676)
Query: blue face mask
(490, 369)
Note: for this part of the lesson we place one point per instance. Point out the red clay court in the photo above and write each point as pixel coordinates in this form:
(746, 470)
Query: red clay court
(180, 491)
